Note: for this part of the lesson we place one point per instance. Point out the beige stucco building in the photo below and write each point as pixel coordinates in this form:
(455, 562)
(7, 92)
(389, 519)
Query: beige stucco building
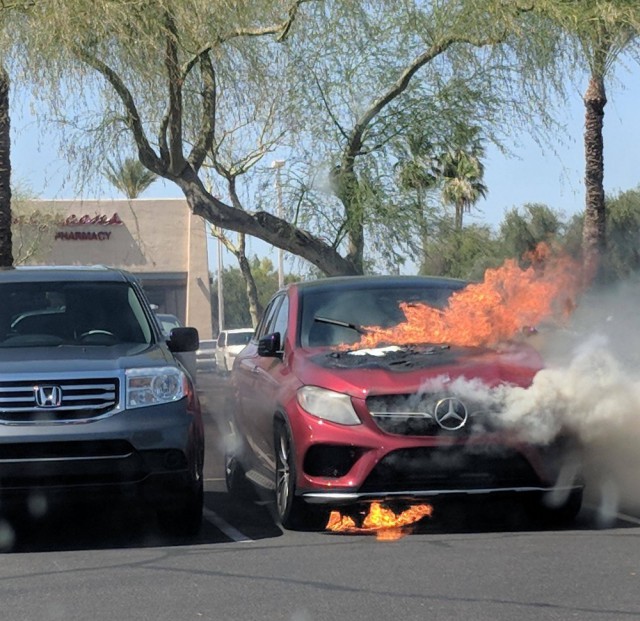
(159, 240)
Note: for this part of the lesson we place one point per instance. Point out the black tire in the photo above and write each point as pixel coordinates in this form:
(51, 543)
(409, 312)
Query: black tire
(182, 517)
(235, 478)
(292, 512)
(549, 513)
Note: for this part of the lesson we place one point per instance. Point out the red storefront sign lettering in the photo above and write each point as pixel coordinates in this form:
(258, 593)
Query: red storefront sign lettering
(83, 235)
(101, 219)
(87, 220)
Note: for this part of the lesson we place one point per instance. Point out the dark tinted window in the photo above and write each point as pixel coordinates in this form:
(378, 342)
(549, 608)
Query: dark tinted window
(373, 306)
(104, 313)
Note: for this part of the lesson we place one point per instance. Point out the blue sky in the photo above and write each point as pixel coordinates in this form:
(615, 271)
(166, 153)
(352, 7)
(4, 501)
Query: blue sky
(537, 175)
(532, 174)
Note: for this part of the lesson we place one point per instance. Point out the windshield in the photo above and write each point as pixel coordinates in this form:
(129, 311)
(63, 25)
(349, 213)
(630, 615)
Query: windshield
(74, 313)
(339, 316)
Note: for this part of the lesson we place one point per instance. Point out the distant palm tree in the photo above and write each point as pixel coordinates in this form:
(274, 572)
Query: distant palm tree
(462, 175)
(455, 169)
(130, 176)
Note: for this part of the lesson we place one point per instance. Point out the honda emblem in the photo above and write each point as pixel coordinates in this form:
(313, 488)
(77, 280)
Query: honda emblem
(48, 396)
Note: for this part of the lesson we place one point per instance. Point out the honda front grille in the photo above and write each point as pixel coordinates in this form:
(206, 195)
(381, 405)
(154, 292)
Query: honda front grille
(57, 400)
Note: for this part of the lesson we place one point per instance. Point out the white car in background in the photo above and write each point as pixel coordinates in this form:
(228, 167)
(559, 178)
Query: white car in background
(230, 344)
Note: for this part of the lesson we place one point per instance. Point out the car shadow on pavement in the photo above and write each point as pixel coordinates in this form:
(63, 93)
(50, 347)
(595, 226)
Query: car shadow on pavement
(254, 517)
(481, 515)
(100, 526)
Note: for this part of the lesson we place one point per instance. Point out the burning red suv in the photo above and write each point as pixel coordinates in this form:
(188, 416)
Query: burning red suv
(349, 393)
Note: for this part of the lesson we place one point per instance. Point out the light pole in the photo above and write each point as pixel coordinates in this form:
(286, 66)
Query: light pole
(277, 165)
(220, 289)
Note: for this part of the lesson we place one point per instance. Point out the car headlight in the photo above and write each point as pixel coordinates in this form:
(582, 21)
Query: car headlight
(155, 385)
(328, 405)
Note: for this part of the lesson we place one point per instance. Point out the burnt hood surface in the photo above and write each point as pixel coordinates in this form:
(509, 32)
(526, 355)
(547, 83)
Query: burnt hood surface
(415, 357)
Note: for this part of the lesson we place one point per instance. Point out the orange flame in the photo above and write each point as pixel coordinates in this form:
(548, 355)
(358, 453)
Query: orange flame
(383, 522)
(509, 300)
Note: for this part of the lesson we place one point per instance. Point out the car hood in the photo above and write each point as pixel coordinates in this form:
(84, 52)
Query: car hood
(82, 359)
(405, 369)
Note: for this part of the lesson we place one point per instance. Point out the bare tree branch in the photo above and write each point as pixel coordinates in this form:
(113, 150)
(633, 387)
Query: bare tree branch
(357, 135)
(147, 155)
(281, 29)
(206, 137)
(175, 78)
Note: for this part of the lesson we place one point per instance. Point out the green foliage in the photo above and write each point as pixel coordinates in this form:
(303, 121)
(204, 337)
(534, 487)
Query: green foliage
(602, 29)
(623, 235)
(337, 85)
(32, 226)
(129, 176)
(461, 253)
(334, 84)
(522, 229)
(572, 238)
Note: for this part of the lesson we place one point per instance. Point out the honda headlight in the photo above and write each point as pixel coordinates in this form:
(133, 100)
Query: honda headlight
(155, 385)
(328, 405)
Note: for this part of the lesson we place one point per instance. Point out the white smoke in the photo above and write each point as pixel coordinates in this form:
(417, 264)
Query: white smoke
(593, 397)
(589, 389)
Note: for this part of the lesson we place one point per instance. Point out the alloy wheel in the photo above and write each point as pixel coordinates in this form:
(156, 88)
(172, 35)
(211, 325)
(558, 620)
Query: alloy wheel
(284, 480)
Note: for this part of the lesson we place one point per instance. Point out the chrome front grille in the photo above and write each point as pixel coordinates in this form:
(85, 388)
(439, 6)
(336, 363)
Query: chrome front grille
(415, 415)
(57, 400)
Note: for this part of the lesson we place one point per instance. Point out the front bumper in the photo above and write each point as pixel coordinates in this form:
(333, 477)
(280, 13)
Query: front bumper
(342, 465)
(148, 451)
(347, 498)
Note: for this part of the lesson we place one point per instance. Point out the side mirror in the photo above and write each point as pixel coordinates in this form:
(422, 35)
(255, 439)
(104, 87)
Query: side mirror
(269, 346)
(183, 339)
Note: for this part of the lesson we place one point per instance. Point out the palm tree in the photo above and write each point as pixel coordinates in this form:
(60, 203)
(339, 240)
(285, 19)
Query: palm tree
(130, 176)
(461, 174)
(601, 47)
(604, 30)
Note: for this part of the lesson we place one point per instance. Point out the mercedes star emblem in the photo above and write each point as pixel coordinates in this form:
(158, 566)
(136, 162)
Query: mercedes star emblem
(450, 413)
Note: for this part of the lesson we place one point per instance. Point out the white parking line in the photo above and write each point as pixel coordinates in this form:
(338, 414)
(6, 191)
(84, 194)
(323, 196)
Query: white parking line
(617, 514)
(628, 518)
(226, 528)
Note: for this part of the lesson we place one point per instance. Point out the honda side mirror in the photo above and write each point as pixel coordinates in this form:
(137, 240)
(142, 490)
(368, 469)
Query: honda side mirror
(183, 339)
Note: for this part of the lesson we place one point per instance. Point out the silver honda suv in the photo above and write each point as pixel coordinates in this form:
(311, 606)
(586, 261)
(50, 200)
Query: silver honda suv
(92, 395)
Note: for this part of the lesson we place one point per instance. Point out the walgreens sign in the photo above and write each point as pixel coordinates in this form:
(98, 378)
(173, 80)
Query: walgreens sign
(100, 220)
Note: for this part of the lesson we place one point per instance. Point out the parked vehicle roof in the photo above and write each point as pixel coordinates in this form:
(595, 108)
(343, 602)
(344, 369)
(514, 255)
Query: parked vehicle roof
(356, 282)
(52, 273)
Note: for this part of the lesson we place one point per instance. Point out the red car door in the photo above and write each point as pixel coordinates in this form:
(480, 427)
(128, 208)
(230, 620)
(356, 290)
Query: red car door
(258, 381)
